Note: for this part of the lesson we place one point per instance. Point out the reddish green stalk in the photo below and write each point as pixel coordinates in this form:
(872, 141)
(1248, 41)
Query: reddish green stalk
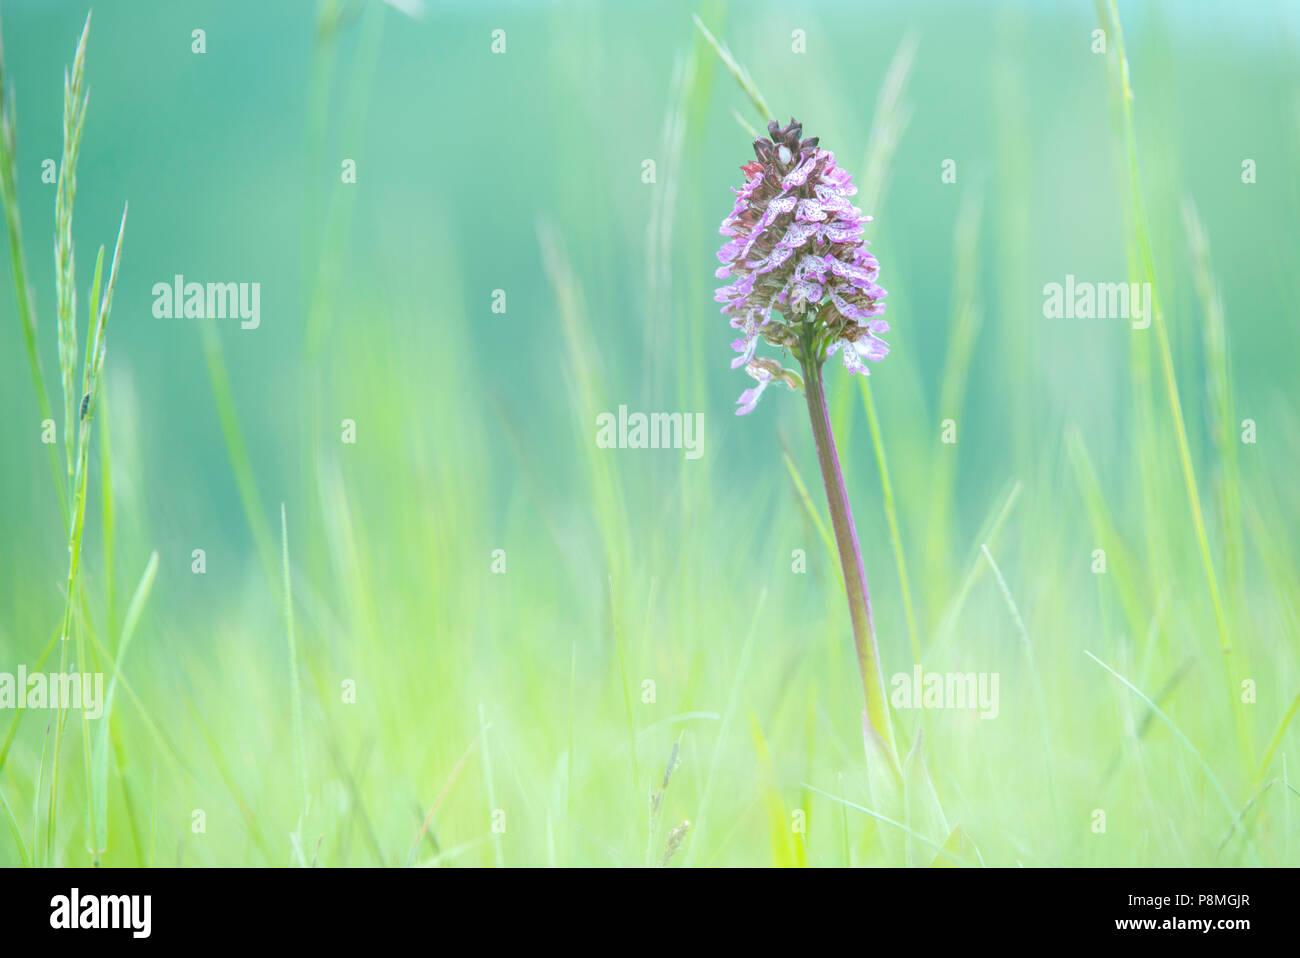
(846, 539)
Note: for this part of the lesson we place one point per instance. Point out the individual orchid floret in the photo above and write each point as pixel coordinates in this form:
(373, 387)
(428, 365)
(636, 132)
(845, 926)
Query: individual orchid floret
(766, 371)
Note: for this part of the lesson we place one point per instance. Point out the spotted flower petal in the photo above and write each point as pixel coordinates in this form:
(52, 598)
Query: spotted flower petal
(797, 263)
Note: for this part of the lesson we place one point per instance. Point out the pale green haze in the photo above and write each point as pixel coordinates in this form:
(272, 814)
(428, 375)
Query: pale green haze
(485, 617)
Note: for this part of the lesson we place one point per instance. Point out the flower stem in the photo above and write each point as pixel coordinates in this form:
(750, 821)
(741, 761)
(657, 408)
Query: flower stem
(846, 539)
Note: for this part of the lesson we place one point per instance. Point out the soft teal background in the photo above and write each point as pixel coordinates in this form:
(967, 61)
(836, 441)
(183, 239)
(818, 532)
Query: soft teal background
(453, 143)
(470, 435)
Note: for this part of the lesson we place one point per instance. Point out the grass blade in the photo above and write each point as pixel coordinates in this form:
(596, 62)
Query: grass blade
(295, 689)
(739, 72)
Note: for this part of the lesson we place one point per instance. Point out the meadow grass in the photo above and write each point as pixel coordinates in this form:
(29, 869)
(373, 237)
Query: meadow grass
(80, 403)
(505, 719)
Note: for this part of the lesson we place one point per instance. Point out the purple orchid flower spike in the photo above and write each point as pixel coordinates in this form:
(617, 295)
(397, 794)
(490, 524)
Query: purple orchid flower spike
(803, 282)
(802, 279)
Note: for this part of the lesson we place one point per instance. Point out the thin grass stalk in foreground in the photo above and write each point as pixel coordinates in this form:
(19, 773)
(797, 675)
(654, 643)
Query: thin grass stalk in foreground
(15, 831)
(724, 728)
(446, 787)
(237, 449)
(22, 285)
(92, 372)
(884, 819)
(623, 684)
(1039, 695)
(490, 782)
(79, 404)
(1104, 530)
(891, 517)
(739, 72)
(1144, 421)
(74, 112)
(295, 690)
(1276, 740)
(889, 123)
(98, 776)
(1186, 742)
(806, 499)
(989, 532)
(891, 119)
(1171, 389)
(966, 321)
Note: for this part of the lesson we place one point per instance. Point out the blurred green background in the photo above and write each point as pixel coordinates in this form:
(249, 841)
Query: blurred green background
(524, 692)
